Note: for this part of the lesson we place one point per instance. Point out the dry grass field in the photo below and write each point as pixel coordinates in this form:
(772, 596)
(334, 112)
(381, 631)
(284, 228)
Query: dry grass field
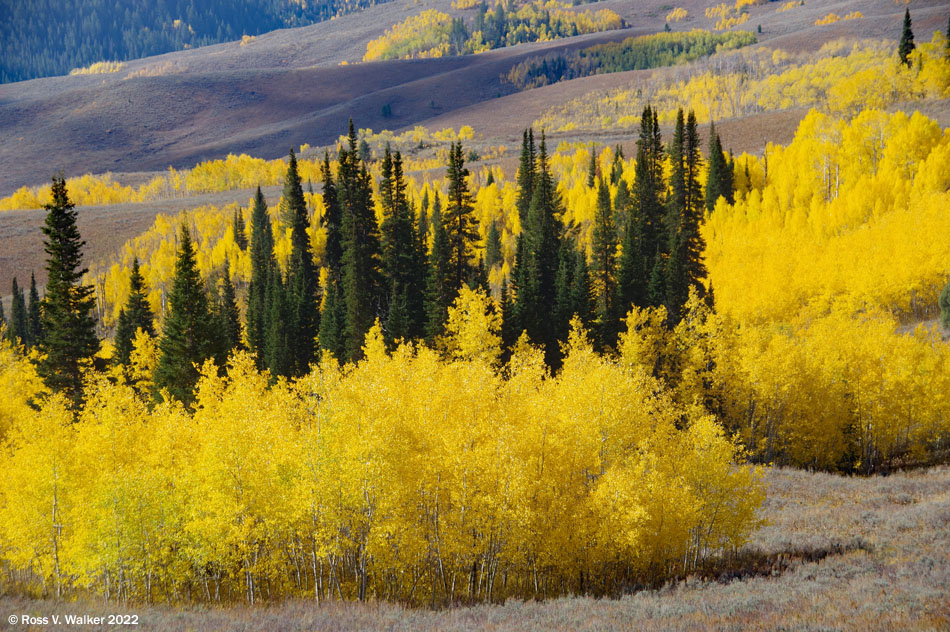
(837, 554)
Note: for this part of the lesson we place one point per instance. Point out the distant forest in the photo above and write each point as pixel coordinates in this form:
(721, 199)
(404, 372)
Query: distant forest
(41, 38)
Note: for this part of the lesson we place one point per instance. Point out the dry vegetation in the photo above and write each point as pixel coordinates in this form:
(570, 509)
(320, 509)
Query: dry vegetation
(839, 554)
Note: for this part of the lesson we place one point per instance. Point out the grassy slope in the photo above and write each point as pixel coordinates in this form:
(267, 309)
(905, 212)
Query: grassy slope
(838, 553)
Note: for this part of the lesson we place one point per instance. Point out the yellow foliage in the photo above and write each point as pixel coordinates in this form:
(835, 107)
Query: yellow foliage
(99, 68)
(831, 18)
(677, 14)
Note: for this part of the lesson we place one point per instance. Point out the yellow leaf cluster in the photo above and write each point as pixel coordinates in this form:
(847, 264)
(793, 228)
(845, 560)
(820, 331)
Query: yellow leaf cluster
(406, 477)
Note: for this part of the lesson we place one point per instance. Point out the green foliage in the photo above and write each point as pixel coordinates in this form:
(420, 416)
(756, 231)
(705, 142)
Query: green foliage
(362, 287)
(69, 340)
(459, 221)
(719, 177)
(134, 316)
(633, 53)
(19, 320)
(604, 253)
(906, 45)
(188, 336)
(301, 287)
(263, 268)
(439, 280)
(227, 319)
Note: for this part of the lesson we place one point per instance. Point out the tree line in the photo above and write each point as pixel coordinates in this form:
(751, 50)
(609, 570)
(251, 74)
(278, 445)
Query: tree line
(33, 43)
(633, 53)
(405, 270)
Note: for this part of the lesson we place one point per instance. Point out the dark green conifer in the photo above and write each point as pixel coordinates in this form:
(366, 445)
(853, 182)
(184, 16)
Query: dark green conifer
(332, 218)
(537, 268)
(604, 249)
(459, 219)
(526, 175)
(188, 337)
(439, 290)
(69, 339)
(301, 285)
(227, 319)
(277, 337)
(906, 45)
(592, 170)
(719, 177)
(238, 228)
(401, 254)
(493, 255)
(685, 267)
(362, 285)
(263, 267)
(34, 314)
(135, 315)
(333, 320)
(19, 320)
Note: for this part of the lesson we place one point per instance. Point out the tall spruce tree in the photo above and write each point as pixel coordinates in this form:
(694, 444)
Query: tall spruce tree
(135, 315)
(227, 318)
(301, 287)
(493, 254)
(538, 264)
(906, 45)
(263, 268)
(644, 237)
(332, 336)
(332, 217)
(719, 176)
(401, 256)
(238, 229)
(604, 267)
(277, 337)
(69, 340)
(363, 289)
(34, 314)
(685, 267)
(188, 336)
(19, 320)
(526, 175)
(439, 290)
(459, 219)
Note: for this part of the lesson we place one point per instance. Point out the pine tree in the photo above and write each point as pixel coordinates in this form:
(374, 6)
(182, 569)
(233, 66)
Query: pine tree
(906, 45)
(644, 238)
(582, 295)
(69, 341)
(592, 170)
(34, 314)
(537, 269)
(301, 286)
(362, 286)
(616, 169)
(227, 318)
(401, 255)
(134, 316)
(604, 256)
(238, 228)
(263, 267)
(333, 320)
(439, 291)
(719, 177)
(458, 219)
(19, 320)
(526, 175)
(685, 267)
(188, 338)
(277, 337)
(493, 255)
(331, 218)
